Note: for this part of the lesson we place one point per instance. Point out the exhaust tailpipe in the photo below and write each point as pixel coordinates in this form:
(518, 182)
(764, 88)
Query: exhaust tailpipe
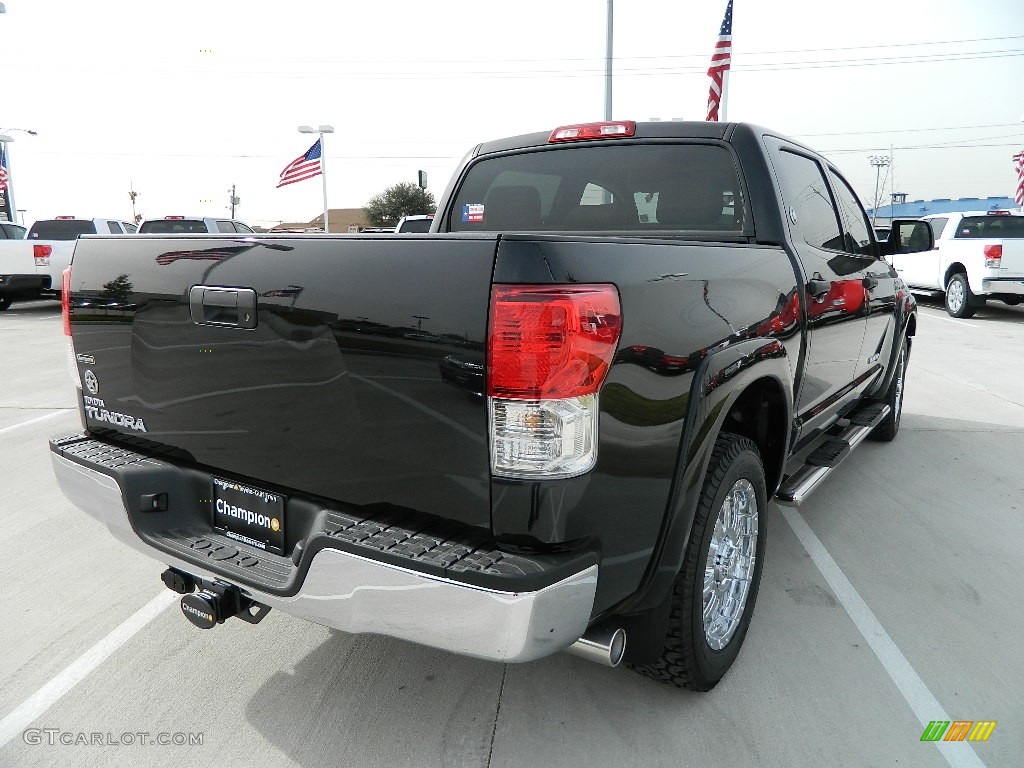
(603, 645)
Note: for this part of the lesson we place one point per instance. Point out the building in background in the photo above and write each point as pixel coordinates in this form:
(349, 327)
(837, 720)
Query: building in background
(341, 220)
(917, 208)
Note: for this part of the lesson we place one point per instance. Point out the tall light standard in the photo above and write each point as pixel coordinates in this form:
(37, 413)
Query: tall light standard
(879, 162)
(321, 129)
(5, 160)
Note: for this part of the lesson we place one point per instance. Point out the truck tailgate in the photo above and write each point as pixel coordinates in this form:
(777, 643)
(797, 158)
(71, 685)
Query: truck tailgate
(303, 363)
(1013, 258)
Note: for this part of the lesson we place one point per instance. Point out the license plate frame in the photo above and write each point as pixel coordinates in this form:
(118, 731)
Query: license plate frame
(249, 515)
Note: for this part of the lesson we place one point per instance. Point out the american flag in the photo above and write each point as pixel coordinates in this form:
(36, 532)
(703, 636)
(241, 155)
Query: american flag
(3, 178)
(721, 60)
(304, 167)
(1019, 159)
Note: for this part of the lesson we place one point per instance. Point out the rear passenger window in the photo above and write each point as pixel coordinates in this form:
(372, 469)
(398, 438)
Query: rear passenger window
(938, 225)
(115, 228)
(809, 201)
(225, 226)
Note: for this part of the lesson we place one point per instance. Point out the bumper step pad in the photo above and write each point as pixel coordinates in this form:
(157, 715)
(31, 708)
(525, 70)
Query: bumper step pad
(399, 537)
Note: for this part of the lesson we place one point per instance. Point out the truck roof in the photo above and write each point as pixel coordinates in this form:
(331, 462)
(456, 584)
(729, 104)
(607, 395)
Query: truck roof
(674, 129)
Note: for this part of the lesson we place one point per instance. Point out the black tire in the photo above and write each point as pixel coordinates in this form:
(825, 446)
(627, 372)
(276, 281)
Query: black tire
(960, 302)
(887, 429)
(5, 302)
(688, 659)
(1012, 302)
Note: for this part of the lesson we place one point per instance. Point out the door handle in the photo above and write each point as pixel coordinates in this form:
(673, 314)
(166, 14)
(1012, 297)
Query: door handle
(229, 307)
(818, 287)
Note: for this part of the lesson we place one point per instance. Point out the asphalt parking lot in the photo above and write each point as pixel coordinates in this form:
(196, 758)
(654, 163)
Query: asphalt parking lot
(891, 599)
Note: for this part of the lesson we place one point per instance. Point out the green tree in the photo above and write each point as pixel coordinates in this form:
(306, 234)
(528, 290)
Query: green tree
(398, 200)
(119, 289)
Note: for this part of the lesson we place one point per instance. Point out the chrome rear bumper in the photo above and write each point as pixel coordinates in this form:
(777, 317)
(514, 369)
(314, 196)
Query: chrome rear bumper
(360, 595)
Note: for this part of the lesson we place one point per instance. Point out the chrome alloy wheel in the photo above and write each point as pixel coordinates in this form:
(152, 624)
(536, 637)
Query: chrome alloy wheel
(730, 564)
(955, 295)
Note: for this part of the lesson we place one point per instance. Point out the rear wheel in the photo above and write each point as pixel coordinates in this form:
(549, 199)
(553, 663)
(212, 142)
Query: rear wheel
(960, 302)
(714, 594)
(5, 302)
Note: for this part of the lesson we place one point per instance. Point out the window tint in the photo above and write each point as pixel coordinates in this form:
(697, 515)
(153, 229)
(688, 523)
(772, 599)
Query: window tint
(131, 229)
(225, 226)
(806, 193)
(61, 229)
(243, 227)
(115, 228)
(990, 226)
(676, 187)
(11, 231)
(856, 235)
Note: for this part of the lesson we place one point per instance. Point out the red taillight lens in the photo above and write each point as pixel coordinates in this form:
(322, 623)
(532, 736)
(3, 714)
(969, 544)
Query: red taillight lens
(40, 251)
(551, 342)
(65, 300)
(993, 256)
(608, 130)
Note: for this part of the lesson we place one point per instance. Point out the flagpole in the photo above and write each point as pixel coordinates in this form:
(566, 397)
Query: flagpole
(323, 174)
(724, 116)
(321, 129)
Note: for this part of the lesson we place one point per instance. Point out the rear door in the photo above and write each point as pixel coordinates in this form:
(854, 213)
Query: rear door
(835, 298)
(302, 363)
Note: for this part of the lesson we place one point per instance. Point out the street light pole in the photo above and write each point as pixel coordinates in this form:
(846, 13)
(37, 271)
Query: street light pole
(608, 62)
(9, 208)
(322, 129)
(879, 162)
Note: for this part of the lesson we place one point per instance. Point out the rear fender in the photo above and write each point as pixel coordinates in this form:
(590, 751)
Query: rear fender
(723, 378)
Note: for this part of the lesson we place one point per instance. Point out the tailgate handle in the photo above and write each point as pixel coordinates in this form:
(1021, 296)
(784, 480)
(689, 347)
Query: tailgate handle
(229, 307)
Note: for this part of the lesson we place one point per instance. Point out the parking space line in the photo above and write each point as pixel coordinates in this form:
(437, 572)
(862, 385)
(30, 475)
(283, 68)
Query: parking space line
(921, 700)
(37, 419)
(37, 704)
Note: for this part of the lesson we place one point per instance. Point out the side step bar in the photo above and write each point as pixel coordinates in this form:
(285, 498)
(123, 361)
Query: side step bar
(819, 464)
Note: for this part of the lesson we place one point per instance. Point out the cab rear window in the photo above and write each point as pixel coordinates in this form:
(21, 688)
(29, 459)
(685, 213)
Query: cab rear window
(604, 188)
(990, 226)
(61, 229)
(173, 226)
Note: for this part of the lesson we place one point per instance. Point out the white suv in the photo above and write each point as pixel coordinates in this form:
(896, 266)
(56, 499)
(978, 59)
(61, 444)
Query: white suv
(181, 225)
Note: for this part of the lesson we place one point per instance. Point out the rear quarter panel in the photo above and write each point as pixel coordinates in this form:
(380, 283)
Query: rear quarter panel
(697, 320)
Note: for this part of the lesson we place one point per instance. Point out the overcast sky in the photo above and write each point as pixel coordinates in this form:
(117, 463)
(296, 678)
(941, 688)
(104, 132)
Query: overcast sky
(182, 100)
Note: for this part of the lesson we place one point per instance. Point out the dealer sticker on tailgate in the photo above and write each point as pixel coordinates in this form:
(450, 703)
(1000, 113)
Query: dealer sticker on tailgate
(249, 515)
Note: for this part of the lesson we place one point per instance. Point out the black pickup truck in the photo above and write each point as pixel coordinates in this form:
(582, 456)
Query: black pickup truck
(552, 423)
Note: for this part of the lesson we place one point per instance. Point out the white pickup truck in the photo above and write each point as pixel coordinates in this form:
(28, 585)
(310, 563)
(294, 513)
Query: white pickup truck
(31, 268)
(977, 256)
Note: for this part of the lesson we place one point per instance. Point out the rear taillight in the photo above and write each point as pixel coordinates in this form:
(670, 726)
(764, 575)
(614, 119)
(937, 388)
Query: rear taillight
(993, 256)
(65, 311)
(549, 349)
(65, 299)
(41, 253)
